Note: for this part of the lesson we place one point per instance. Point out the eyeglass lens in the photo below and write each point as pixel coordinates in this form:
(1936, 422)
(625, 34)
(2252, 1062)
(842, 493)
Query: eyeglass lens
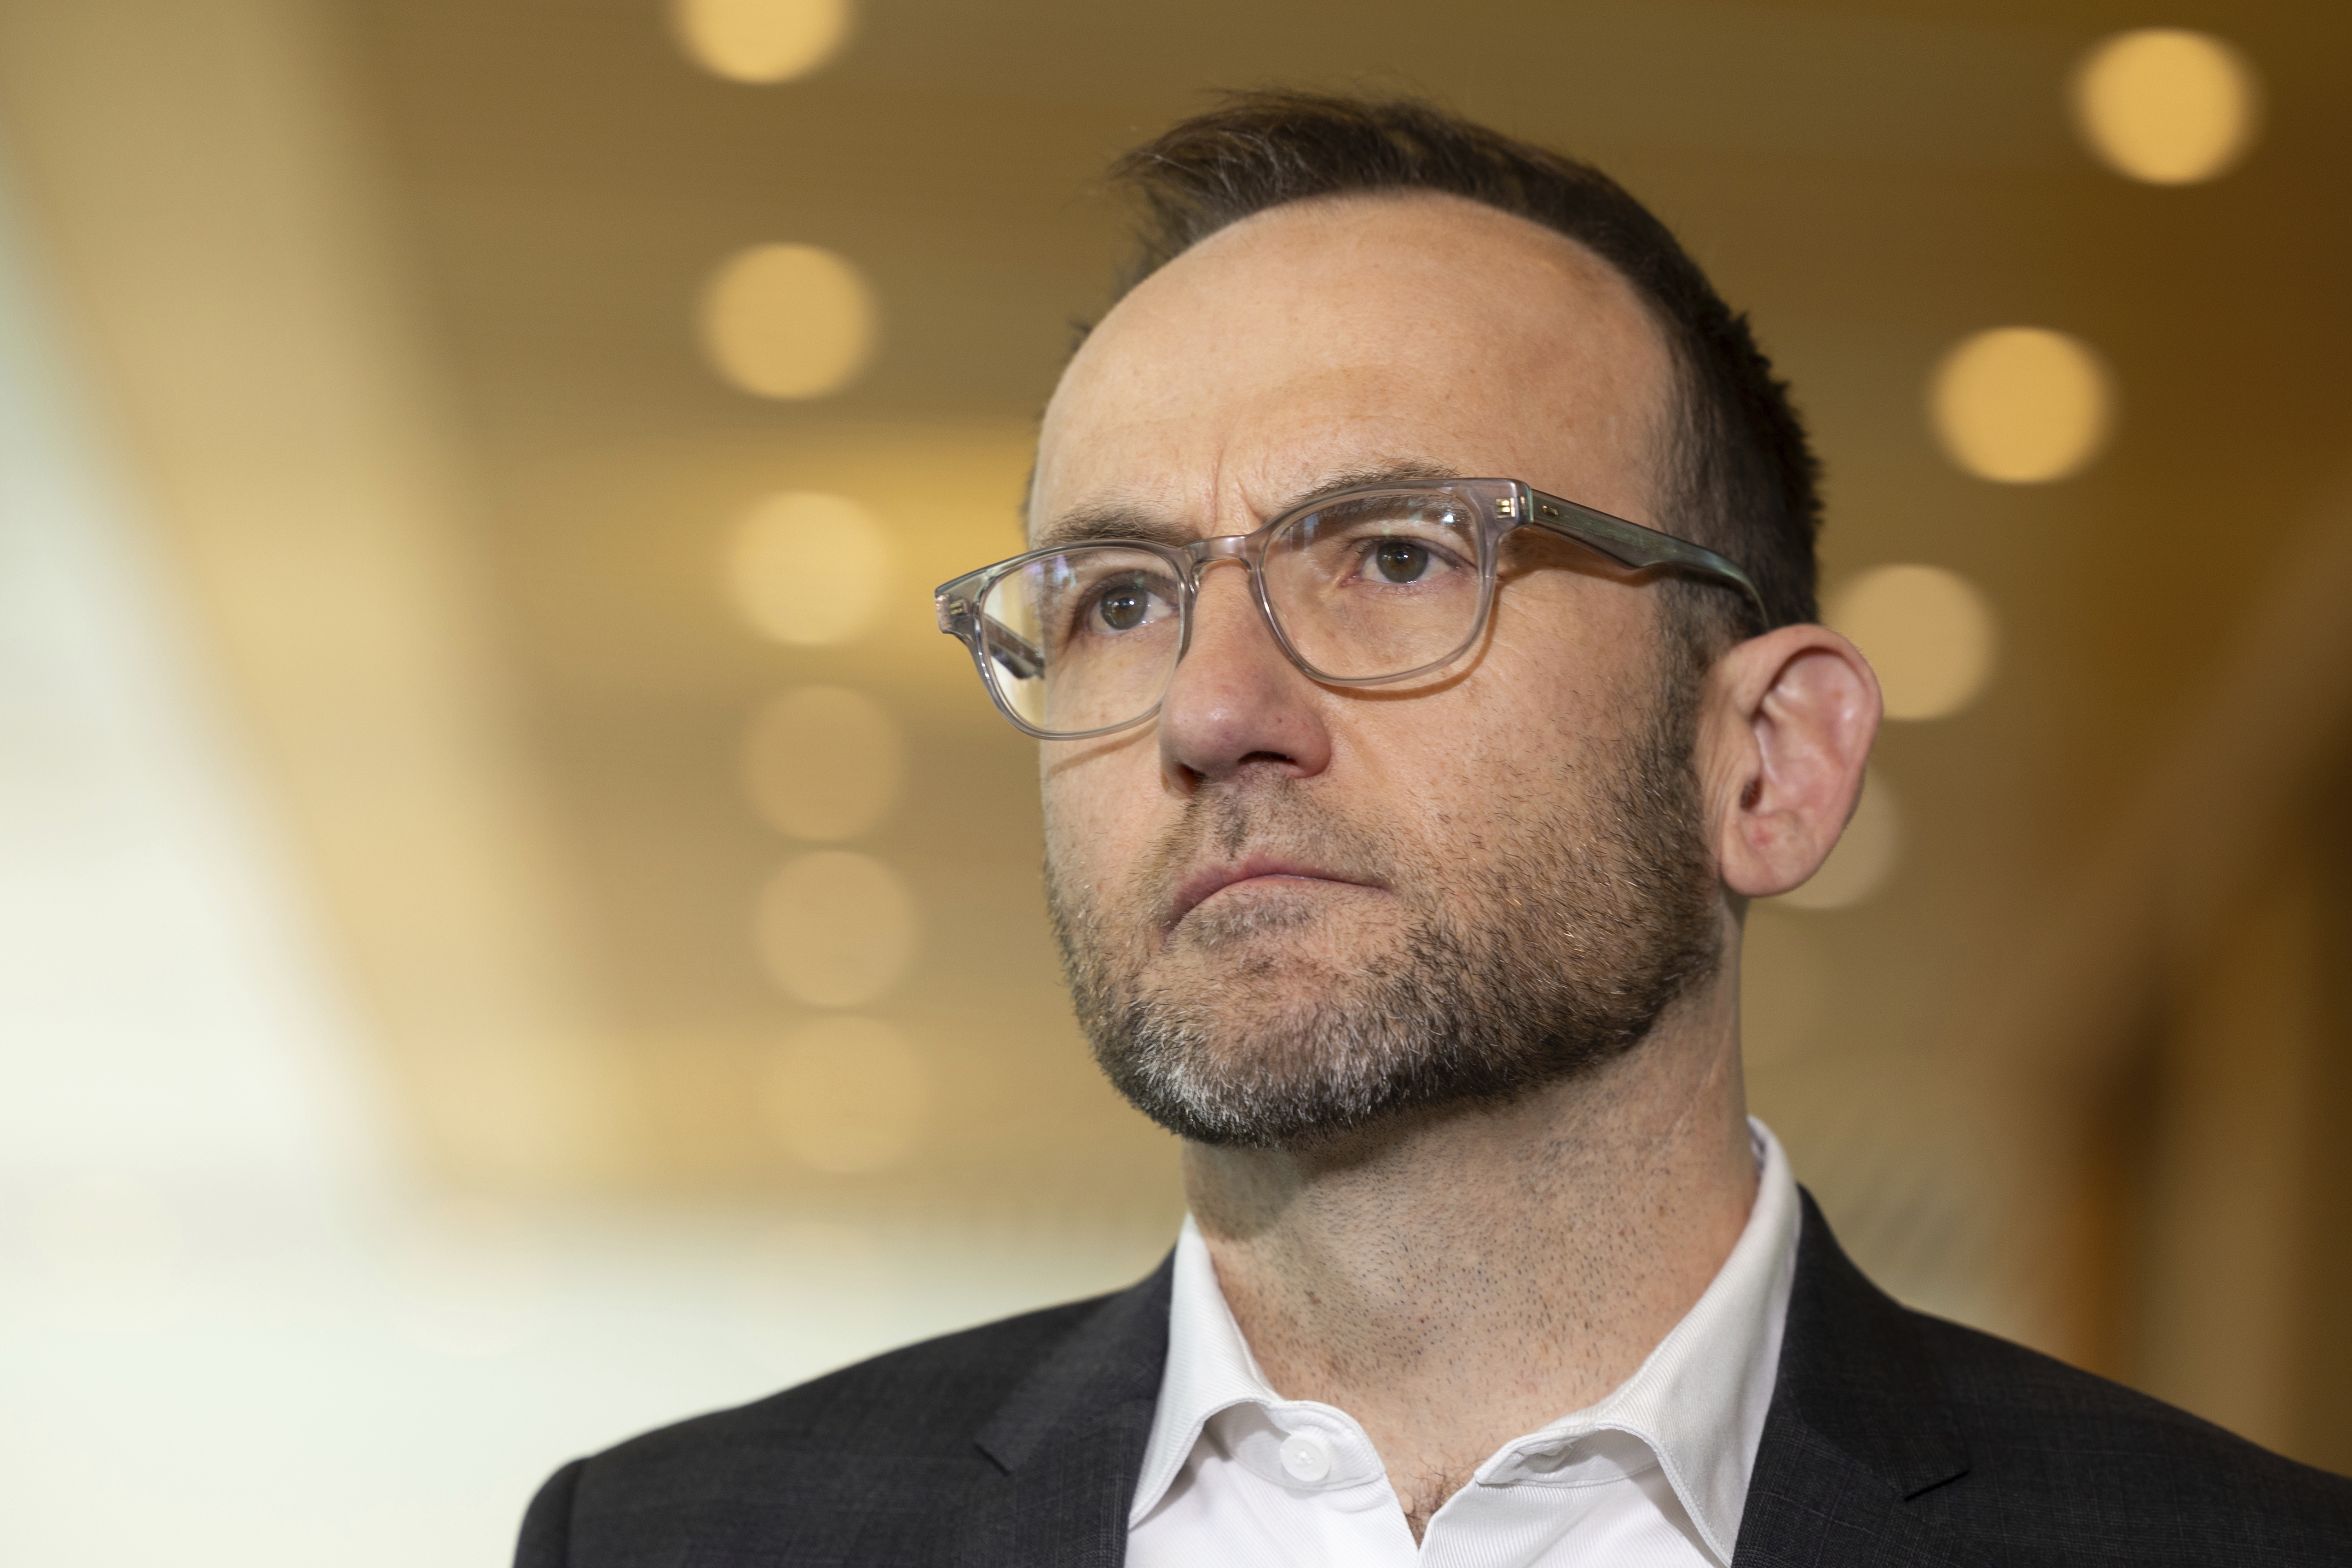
(1366, 588)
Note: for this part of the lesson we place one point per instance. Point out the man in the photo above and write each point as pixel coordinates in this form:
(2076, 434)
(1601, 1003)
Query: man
(1419, 631)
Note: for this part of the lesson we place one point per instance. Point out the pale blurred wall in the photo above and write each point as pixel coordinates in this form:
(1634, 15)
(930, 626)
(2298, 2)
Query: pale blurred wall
(288, 1273)
(398, 307)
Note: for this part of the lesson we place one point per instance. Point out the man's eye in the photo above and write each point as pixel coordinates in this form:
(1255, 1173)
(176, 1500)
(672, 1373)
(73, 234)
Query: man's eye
(1124, 609)
(1400, 560)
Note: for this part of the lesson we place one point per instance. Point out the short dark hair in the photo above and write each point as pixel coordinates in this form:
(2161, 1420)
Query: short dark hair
(1746, 484)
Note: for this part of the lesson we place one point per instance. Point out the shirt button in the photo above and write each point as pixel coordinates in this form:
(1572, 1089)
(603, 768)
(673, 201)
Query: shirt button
(1305, 1457)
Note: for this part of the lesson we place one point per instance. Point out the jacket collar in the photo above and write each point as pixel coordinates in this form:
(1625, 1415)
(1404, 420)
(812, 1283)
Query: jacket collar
(1856, 1397)
(1857, 1401)
(1069, 1440)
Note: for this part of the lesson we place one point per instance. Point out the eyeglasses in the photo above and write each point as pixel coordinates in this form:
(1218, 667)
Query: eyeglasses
(1359, 588)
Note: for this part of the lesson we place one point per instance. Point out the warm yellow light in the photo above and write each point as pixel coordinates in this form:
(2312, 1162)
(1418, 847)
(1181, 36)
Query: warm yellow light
(836, 930)
(824, 763)
(788, 320)
(2166, 105)
(808, 568)
(1784, 985)
(2022, 405)
(846, 1095)
(760, 40)
(1865, 857)
(1929, 633)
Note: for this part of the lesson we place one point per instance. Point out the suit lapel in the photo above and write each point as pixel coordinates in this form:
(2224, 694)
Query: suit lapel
(1069, 1443)
(1858, 1424)
(1857, 1427)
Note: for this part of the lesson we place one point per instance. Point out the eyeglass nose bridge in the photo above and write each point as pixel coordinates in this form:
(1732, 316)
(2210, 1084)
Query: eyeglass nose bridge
(1239, 550)
(1234, 547)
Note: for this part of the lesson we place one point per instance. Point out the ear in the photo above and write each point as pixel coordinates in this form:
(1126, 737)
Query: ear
(1786, 723)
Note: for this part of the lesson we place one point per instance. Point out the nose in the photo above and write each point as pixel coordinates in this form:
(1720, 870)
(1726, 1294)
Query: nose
(1236, 700)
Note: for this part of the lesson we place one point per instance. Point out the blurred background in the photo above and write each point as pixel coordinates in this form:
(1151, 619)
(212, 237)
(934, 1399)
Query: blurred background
(489, 962)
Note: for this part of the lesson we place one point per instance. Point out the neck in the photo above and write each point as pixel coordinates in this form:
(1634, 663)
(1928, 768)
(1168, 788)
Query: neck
(1455, 1280)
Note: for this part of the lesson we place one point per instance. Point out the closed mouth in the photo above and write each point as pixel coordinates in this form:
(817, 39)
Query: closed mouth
(1208, 882)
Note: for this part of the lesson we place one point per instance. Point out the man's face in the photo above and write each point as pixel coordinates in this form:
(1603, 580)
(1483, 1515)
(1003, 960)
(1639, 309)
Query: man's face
(1288, 907)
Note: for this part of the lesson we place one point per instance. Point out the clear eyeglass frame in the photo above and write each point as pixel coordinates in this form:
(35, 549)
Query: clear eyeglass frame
(1501, 507)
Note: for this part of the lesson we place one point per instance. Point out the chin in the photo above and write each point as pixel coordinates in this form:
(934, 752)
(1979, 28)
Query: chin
(1299, 919)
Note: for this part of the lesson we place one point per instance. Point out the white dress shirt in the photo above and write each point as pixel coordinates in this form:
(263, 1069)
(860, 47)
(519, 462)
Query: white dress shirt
(1654, 1476)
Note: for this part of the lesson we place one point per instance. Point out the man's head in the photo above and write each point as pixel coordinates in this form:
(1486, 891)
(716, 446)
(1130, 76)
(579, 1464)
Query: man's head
(1738, 473)
(1288, 907)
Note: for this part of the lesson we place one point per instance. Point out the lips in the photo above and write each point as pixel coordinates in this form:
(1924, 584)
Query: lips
(1209, 881)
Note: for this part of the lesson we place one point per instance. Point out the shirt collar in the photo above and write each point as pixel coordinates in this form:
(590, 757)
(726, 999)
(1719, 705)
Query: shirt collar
(1210, 1369)
(1697, 1403)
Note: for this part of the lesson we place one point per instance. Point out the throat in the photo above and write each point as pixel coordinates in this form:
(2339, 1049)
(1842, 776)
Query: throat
(1458, 1281)
(1422, 1496)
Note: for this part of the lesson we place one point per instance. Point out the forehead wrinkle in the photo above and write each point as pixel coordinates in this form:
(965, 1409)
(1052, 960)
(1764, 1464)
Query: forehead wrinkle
(1142, 520)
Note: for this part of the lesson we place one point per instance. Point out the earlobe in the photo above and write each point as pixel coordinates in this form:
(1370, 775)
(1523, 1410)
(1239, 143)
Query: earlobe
(1789, 723)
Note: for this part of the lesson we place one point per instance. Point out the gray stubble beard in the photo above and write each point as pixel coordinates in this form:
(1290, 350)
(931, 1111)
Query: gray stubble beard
(1537, 964)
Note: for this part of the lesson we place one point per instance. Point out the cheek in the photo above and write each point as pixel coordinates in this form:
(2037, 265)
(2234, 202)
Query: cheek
(1441, 782)
(1529, 742)
(1542, 745)
(1097, 818)
(1575, 659)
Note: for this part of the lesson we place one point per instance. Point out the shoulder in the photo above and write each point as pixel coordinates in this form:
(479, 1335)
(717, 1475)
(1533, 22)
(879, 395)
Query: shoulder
(2041, 1429)
(1897, 1437)
(892, 1438)
(924, 1398)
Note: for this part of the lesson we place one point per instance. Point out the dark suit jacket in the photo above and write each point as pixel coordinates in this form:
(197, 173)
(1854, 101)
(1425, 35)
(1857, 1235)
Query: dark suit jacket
(1892, 1438)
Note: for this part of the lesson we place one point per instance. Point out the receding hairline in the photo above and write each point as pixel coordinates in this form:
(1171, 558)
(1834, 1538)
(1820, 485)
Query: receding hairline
(1325, 204)
(1582, 260)
(1578, 264)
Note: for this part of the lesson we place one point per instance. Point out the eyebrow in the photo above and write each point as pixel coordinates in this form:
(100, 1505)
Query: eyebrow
(1119, 520)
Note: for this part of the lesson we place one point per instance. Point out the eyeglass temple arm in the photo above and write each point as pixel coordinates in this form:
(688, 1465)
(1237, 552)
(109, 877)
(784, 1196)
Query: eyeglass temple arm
(1021, 658)
(1631, 544)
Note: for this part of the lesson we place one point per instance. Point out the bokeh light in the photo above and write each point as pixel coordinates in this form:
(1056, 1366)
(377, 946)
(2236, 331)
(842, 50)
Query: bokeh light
(2022, 405)
(808, 568)
(824, 763)
(788, 320)
(846, 1095)
(834, 929)
(760, 40)
(1930, 635)
(2166, 105)
(1866, 859)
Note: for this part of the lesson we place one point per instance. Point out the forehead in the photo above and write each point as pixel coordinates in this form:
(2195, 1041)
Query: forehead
(1357, 334)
